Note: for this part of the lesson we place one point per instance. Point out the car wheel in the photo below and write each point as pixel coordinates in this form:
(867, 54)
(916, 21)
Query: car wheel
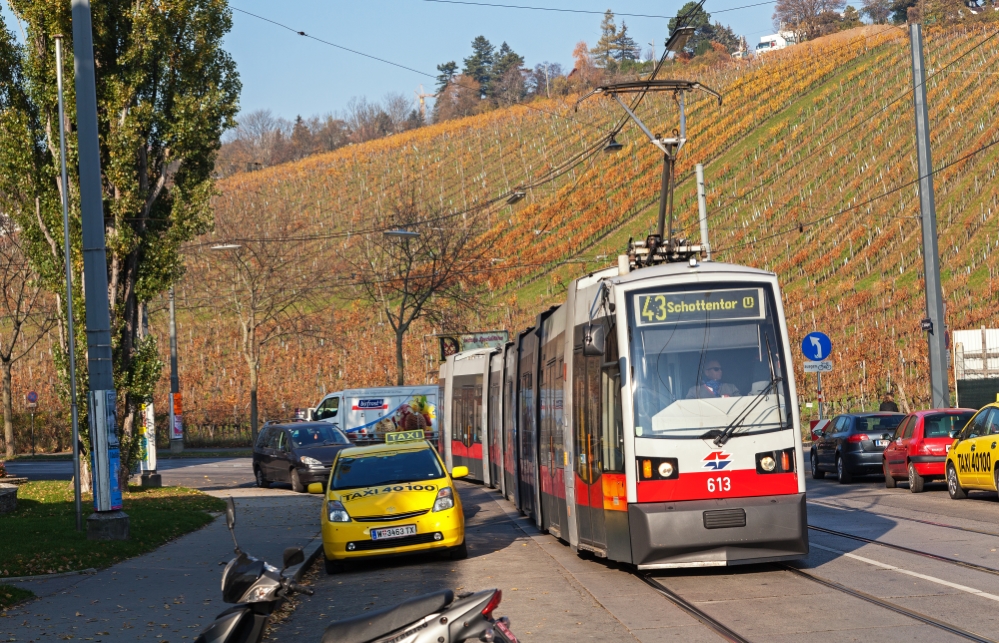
(842, 474)
(953, 486)
(915, 480)
(334, 566)
(816, 474)
(890, 482)
(262, 482)
(296, 482)
(460, 552)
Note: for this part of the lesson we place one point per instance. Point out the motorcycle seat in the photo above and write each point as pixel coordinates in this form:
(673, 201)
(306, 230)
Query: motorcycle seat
(372, 625)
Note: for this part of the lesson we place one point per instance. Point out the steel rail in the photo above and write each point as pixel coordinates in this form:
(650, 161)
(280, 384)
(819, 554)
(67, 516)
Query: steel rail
(908, 550)
(898, 609)
(719, 628)
(922, 522)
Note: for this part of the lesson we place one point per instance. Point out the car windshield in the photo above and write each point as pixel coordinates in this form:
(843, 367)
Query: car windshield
(395, 467)
(878, 423)
(705, 360)
(317, 436)
(940, 425)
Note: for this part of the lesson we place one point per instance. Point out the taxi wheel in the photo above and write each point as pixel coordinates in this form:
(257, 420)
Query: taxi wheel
(296, 482)
(816, 473)
(842, 474)
(262, 482)
(915, 480)
(890, 482)
(334, 566)
(953, 486)
(460, 552)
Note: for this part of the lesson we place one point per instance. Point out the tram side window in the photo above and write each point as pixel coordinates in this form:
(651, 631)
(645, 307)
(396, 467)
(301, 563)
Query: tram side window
(613, 430)
(580, 416)
(477, 414)
(594, 446)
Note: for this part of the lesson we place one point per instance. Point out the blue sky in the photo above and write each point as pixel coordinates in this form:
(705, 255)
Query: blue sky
(291, 75)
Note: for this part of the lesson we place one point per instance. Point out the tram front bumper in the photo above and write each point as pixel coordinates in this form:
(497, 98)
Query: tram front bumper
(711, 533)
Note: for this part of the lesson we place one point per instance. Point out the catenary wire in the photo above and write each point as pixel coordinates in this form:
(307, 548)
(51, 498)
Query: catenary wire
(585, 11)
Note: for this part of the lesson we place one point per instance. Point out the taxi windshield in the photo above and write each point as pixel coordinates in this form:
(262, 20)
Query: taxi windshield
(940, 425)
(707, 361)
(393, 467)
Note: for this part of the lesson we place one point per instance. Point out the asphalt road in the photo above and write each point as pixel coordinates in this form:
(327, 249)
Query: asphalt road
(553, 594)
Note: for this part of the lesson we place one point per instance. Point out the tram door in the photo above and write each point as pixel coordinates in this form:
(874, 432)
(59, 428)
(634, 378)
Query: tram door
(527, 433)
(551, 458)
(599, 442)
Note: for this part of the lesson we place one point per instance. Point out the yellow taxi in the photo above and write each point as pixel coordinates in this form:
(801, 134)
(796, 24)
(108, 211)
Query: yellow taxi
(388, 499)
(974, 454)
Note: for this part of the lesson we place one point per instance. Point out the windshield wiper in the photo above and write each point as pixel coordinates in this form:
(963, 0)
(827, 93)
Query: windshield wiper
(724, 436)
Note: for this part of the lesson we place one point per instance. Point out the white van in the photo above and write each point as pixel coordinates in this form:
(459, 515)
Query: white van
(369, 413)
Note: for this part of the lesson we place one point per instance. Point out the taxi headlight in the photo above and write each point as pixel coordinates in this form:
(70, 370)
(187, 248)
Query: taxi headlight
(768, 463)
(310, 462)
(445, 499)
(335, 512)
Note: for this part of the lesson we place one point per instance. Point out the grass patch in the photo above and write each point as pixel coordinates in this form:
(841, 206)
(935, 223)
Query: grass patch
(40, 537)
(10, 595)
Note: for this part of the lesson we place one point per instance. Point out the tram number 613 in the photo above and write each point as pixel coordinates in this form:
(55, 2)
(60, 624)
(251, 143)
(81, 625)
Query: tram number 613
(719, 484)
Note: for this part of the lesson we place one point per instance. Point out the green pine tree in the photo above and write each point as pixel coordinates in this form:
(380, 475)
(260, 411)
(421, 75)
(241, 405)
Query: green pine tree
(506, 59)
(479, 65)
(625, 47)
(447, 71)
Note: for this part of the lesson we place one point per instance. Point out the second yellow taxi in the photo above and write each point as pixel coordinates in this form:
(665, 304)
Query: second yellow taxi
(389, 499)
(973, 456)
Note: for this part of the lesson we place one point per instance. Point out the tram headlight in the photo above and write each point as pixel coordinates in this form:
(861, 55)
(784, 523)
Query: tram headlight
(768, 463)
(775, 461)
(657, 468)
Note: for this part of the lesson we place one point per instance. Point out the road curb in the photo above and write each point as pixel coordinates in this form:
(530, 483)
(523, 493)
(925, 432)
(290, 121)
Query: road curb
(22, 579)
(312, 551)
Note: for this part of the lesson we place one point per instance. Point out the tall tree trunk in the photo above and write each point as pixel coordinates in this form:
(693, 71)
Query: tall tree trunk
(8, 410)
(400, 360)
(254, 376)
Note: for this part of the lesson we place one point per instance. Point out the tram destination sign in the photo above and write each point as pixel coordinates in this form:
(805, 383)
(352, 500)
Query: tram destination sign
(698, 306)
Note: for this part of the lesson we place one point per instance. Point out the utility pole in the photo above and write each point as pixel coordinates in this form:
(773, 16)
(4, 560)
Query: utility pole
(933, 324)
(176, 413)
(702, 212)
(74, 411)
(108, 522)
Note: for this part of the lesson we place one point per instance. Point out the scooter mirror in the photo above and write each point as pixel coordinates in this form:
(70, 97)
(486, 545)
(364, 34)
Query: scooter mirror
(230, 513)
(293, 556)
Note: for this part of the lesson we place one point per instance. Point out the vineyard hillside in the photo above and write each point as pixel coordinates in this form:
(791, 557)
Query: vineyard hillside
(810, 169)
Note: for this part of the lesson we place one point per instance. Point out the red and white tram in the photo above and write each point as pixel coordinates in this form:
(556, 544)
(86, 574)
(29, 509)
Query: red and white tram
(651, 418)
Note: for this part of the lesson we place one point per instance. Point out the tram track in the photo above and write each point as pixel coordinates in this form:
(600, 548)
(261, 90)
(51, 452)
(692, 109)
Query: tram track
(932, 523)
(907, 550)
(707, 620)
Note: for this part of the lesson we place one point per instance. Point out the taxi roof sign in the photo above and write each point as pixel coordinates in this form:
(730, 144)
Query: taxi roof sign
(404, 436)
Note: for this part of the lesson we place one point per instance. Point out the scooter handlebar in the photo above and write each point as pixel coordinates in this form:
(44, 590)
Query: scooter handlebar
(295, 587)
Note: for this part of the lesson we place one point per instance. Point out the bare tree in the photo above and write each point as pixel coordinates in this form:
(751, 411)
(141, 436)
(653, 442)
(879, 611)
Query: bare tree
(272, 276)
(25, 318)
(801, 17)
(877, 10)
(425, 276)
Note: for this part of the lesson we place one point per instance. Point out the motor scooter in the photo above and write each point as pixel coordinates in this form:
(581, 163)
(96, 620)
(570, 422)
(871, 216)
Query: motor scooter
(258, 589)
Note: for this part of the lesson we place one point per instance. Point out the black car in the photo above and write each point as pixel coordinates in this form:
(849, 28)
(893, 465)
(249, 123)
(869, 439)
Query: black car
(852, 444)
(300, 453)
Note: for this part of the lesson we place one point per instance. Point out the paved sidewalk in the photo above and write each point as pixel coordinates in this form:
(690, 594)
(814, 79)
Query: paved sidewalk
(169, 594)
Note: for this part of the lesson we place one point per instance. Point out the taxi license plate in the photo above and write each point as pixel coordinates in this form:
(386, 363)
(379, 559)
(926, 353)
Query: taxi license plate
(393, 532)
(881, 443)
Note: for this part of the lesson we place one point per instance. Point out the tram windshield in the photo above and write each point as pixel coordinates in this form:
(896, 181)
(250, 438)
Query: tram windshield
(707, 361)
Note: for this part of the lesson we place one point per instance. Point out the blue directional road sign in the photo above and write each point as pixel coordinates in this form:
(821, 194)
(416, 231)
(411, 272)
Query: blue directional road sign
(816, 346)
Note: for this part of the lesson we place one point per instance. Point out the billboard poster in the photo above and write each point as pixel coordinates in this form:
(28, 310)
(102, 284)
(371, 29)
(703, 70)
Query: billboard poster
(177, 426)
(451, 344)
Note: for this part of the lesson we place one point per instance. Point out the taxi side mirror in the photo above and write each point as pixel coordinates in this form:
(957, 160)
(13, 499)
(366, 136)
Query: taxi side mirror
(459, 472)
(316, 487)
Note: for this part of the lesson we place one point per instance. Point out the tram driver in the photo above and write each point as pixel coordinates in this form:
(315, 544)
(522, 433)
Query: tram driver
(711, 384)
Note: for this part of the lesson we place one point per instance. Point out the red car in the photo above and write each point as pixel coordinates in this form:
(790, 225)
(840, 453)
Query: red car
(918, 450)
